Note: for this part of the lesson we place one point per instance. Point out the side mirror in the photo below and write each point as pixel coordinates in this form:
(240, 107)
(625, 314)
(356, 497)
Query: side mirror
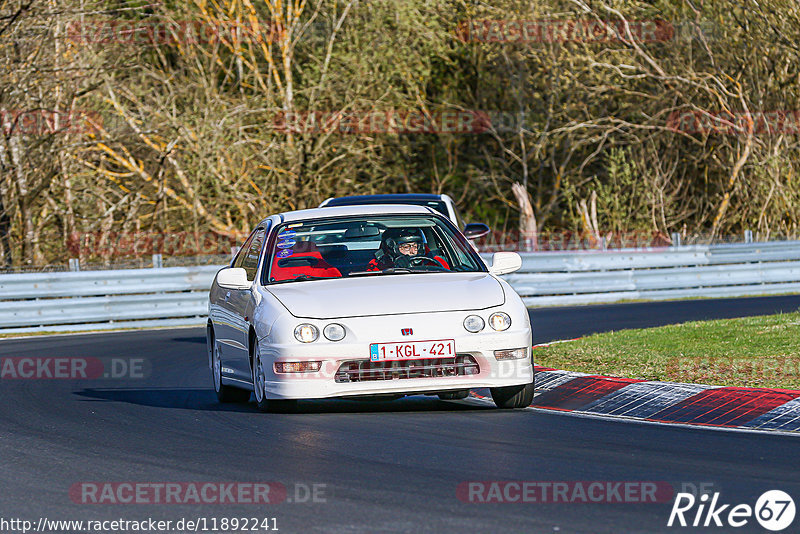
(475, 230)
(505, 262)
(233, 278)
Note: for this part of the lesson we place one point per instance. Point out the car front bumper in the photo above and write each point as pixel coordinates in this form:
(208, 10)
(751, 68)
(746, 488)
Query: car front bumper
(361, 332)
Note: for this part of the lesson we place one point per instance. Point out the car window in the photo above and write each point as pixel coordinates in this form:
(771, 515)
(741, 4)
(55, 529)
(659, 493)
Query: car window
(367, 245)
(237, 261)
(437, 205)
(252, 252)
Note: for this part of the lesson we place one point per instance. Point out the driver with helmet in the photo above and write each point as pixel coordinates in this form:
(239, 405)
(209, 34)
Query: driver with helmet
(403, 247)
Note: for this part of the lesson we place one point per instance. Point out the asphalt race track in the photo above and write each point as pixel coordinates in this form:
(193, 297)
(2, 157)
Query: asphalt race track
(378, 466)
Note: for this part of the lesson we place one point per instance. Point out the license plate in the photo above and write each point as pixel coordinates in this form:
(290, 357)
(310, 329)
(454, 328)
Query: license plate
(412, 350)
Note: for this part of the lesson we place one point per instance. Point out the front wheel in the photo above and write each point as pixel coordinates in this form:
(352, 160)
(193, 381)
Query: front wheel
(224, 393)
(259, 383)
(513, 396)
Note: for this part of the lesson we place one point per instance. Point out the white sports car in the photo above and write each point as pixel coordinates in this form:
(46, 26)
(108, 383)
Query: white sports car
(380, 300)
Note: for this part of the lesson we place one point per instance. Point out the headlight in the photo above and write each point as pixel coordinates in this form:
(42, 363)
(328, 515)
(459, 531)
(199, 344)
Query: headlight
(333, 332)
(473, 324)
(306, 333)
(499, 321)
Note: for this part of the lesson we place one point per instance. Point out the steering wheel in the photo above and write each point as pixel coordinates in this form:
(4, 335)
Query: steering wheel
(420, 260)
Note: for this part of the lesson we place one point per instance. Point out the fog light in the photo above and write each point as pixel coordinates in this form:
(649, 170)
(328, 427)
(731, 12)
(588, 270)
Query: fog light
(306, 333)
(511, 354)
(499, 321)
(297, 367)
(333, 332)
(473, 324)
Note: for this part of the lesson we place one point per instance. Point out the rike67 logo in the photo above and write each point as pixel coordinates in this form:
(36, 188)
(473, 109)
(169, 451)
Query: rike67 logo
(774, 510)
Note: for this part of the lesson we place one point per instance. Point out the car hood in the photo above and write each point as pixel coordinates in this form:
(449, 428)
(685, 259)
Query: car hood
(389, 294)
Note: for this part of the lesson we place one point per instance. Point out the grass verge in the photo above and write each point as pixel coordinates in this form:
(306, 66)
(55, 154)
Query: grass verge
(761, 351)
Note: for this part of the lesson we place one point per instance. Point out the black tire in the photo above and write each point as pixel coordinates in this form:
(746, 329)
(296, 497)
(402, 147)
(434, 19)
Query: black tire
(264, 404)
(454, 395)
(513, 396)
(225, 394)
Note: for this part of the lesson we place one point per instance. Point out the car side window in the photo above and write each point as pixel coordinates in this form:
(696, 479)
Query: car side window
(251, 254)
(237, 261)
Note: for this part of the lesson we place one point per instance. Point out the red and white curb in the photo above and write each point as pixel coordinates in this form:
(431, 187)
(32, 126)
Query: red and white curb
(666, 402)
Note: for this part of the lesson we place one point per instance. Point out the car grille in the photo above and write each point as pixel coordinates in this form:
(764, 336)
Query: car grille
(369, 371)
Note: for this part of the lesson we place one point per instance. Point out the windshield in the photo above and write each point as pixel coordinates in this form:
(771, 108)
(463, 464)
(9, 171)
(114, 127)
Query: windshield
(437, 205)
(367, 246)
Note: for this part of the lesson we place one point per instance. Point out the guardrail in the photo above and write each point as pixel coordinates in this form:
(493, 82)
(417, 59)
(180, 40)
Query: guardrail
(586, 277)
(177, 296)
(89, 300)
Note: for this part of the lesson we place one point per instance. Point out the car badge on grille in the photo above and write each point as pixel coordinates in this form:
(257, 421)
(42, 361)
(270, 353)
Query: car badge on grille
(406, 331)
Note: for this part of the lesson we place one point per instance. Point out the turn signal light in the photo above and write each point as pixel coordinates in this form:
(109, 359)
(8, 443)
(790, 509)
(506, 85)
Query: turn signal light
(511, 354)
(306, 333)
(499, 321)
(297, 367)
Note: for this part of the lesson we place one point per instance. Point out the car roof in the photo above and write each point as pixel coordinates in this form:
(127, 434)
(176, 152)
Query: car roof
(341, 211)
(388, 198)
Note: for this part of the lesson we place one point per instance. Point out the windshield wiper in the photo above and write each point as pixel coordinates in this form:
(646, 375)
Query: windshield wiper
(303, 278)
(391, 270)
